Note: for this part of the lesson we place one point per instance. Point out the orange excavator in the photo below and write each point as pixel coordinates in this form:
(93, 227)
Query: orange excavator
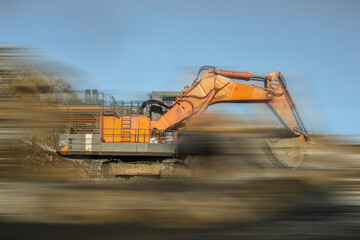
(152, 130)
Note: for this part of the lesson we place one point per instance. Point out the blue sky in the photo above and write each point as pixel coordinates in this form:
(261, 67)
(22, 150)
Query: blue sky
(139, 46)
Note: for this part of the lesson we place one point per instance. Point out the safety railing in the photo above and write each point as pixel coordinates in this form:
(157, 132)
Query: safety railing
(122, 108)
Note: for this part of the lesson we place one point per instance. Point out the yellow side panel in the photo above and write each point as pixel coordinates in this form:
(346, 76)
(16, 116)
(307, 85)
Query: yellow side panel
(139, 131)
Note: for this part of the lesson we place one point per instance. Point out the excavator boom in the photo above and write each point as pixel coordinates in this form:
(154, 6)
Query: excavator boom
(216, 86)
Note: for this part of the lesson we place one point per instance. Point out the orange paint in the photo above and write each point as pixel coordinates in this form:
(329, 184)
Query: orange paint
(120, 129)
(214, 87)
(64, 150)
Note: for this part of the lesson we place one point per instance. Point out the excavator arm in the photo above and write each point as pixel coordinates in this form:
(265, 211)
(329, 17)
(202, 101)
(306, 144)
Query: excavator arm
(274, 93)
(217, 86)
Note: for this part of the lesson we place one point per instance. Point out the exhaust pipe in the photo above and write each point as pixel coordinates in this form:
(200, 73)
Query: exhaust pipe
(87, 95)
(95, 96)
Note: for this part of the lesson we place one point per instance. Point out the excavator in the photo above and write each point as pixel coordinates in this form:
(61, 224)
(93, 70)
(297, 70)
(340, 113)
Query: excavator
(147, 138)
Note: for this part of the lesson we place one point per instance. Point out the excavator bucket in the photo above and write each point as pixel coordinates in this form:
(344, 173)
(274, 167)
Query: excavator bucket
(289, 151)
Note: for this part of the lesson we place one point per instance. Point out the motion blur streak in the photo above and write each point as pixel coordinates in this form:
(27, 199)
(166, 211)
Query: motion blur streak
(239, 190)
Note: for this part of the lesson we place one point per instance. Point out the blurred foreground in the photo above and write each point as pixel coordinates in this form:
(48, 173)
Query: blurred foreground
(234, 195)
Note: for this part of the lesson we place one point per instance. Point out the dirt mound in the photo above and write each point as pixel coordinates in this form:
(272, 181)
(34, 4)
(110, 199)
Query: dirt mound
(30, 120)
